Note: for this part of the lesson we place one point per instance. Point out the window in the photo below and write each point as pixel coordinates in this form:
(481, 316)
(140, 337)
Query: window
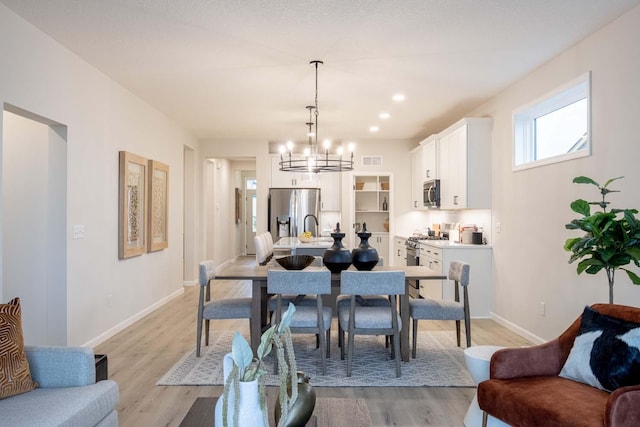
(555, 128)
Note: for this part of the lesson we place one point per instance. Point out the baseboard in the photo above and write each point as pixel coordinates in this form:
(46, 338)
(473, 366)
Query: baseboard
(517, 329)
(190, 283)
(131, 320)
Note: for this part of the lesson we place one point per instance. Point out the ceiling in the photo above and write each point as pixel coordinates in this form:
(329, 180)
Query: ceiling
(228, 69)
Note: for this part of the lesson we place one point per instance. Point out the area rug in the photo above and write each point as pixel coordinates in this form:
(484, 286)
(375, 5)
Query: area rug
(439, 363)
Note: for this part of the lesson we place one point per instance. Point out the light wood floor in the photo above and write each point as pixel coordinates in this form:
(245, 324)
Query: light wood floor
(142, 353)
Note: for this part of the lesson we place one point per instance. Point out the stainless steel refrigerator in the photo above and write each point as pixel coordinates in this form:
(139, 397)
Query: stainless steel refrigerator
(292, 211)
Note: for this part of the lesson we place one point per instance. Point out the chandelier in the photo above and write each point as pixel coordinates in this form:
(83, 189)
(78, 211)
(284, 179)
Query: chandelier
(314, 159)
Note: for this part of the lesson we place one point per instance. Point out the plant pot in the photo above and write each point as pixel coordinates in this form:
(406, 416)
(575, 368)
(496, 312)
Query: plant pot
(304, 405)
(249, 412)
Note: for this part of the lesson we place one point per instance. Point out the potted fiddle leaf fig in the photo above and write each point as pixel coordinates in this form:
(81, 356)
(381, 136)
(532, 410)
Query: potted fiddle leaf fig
(611, 239)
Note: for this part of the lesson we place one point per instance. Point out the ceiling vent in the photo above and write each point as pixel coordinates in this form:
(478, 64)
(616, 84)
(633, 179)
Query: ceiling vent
(371, 160)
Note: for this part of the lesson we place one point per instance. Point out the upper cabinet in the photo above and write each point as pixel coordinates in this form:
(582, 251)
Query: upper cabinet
(464, 152)
(329, 184)
(280, 179)
(417, 162)
(424, 167)
(330, 194)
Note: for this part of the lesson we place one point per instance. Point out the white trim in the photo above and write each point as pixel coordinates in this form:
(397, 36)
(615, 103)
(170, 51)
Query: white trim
(131, 320)
(517, 329)
(189, 283)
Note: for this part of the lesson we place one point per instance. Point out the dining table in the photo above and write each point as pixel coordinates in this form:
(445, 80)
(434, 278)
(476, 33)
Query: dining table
(258, 276)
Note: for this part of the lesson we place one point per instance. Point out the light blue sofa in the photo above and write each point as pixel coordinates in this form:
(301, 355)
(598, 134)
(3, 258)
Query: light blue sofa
(67, 393)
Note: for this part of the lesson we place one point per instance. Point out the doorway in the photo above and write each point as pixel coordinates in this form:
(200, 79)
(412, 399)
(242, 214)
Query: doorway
(250, 214)
(34, 225)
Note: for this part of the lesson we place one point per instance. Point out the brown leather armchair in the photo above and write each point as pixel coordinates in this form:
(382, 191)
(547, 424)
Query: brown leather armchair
(524, 388)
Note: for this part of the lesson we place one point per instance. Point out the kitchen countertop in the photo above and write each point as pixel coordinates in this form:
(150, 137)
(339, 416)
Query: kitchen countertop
(451, 245)
(294, 242)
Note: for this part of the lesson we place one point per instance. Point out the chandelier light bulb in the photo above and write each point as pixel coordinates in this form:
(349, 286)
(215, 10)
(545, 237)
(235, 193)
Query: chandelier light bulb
(352, 147)
(307, 151)
(281, 149)
(340, 150)
(290, 145)
(326, 144)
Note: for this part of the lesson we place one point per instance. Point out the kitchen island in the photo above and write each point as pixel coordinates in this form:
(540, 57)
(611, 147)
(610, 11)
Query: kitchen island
(316, 247)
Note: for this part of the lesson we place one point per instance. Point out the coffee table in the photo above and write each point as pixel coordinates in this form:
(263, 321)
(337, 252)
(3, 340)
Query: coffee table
(329, 411)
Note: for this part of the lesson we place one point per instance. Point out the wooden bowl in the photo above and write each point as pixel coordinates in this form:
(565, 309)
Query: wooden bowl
(295, 262)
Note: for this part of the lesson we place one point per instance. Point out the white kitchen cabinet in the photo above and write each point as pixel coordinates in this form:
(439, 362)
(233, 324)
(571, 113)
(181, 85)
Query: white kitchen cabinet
(431, 257)
(400, 251)
(280, 179)
(417, 181)
(430, 157)
(330, 194)
(464, 152)
(380, 241)
(479, 259)
(424, 167)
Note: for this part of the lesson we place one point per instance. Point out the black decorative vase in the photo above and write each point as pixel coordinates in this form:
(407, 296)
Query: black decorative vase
(303, 407)
(337, 257)
(365, 257)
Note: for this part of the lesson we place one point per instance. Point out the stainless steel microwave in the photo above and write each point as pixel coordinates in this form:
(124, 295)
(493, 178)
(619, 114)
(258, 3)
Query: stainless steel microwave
(431, 193)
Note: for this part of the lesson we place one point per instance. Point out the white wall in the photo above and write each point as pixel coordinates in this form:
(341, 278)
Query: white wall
(34, 226)
(103, 293)
(530, 265)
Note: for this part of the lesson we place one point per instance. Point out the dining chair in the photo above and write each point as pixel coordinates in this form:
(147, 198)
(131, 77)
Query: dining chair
(268, 239)
(227, 308)
(442, 309)
(261, 249)
(295, 298)
(371, 320)
(307, 319)
(362, 300)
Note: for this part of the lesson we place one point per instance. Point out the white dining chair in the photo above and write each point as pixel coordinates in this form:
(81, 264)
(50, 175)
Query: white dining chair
(442, 309)
(261, 249)
(370, 320)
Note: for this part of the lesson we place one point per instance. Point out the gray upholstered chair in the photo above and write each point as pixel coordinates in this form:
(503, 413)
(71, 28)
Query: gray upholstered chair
(434, 309)
(363, 300)
(228, 308)
(307, 319)
(371, 320)
(296, 298)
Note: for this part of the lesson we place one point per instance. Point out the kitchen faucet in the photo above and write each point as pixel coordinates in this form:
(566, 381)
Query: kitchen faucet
(304, 221)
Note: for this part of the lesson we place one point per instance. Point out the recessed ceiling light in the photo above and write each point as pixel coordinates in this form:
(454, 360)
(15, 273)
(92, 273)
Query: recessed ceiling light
(398, 97)
(374, 129)
(384, 115)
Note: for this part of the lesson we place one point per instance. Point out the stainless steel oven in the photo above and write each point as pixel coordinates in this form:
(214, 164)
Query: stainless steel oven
(413, 258)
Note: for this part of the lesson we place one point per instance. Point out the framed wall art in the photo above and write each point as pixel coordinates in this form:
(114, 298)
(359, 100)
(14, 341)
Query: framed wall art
(158, 206)
(132, 205)
(238, 201)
